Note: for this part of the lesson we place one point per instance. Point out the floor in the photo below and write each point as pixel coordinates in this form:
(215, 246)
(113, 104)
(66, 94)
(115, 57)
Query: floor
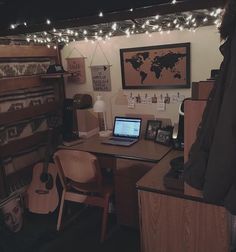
(82, 234)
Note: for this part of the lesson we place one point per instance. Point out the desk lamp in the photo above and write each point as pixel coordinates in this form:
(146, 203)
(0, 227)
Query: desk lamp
(100, 107)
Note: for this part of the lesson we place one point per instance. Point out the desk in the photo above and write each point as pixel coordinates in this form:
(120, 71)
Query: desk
(129, 164)
(143, 150)
(172, 220)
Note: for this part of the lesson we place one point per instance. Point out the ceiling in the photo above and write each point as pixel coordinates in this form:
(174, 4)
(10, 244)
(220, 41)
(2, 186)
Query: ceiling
(28, 17)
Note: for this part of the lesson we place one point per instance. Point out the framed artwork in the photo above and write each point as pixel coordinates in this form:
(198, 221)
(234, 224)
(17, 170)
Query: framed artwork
(164, 136)
(164, 66)
(151, 130)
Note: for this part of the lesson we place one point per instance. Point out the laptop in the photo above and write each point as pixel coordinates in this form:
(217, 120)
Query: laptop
(126, 131)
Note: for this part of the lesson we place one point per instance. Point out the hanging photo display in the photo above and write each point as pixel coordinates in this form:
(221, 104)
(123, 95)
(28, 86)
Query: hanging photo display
(76, 66)
(101, 78)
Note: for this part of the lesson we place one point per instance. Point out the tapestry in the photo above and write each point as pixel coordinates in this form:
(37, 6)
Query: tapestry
(23, 98)
(101, 78)
(28, 66)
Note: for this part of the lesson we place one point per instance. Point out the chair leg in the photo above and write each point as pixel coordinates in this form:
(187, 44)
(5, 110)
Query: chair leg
(104, 219)
(61, 210)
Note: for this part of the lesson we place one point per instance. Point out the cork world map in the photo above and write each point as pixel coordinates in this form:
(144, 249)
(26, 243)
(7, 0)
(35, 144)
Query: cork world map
(160, 66)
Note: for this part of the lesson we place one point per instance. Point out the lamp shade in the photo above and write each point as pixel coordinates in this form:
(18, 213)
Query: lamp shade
(99, 105)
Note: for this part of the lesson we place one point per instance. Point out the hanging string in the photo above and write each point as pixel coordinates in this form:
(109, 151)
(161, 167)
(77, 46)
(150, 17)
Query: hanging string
(94, 52)
(75, 49)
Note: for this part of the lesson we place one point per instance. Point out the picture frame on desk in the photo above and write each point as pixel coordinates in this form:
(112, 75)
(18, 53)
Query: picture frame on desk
(151, 129)
(164, 136)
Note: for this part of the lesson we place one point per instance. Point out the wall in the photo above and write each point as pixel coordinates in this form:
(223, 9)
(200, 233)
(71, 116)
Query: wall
(204, 57)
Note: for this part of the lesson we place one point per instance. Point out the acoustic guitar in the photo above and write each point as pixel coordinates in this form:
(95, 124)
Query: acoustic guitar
(42, 192)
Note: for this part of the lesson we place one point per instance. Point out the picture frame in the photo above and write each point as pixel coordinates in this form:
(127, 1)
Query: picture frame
(151, 129)
(164, 136)
(162, 66)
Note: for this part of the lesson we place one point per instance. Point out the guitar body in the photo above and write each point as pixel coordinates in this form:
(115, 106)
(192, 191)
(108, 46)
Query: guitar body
(41, 199)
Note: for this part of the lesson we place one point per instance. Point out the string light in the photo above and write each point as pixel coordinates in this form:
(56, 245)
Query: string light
(12, 26)
(48, 22)
(104, 31)
(100, 14)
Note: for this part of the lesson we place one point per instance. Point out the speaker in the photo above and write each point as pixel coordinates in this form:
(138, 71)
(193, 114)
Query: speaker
(69, 120)
(83, 101)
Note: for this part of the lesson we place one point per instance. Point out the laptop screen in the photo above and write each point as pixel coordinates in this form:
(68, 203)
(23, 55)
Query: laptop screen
(127, 127)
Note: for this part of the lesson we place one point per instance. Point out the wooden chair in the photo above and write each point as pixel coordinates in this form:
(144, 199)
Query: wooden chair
(82, 181)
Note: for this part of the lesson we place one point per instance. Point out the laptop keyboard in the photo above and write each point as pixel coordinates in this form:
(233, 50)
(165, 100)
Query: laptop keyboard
(121, 139)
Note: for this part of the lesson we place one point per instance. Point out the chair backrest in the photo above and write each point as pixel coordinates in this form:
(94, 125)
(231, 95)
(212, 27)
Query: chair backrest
(78, 166)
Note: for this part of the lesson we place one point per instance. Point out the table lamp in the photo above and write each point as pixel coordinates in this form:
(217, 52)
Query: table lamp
(100, 107)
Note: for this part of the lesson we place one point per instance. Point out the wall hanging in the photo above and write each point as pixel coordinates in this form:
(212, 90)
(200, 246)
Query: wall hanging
(76, 66)
(101, 76)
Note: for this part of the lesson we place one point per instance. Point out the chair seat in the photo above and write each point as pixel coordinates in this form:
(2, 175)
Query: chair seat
(105, 189)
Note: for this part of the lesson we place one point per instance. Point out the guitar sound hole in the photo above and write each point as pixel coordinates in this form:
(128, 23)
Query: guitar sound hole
(44, 177)
(49, 184)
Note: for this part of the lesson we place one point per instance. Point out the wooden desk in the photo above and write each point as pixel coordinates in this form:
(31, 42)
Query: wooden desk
(172, 220)
(129, 164)
(143, 150)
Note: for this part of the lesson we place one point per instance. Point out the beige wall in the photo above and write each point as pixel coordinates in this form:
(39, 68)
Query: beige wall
(204, 57)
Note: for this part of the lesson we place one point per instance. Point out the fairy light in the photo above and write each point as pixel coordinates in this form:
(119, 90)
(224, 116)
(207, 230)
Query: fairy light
(48, 22)
(100, 14)
(173, 1)
(114, 27)
(104, 31)
(25, 24)
(131, 9)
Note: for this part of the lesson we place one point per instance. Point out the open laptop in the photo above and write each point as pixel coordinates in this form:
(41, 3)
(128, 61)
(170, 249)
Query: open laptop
(126, 131)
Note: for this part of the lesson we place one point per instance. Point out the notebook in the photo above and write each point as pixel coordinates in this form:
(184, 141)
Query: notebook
(126, 131)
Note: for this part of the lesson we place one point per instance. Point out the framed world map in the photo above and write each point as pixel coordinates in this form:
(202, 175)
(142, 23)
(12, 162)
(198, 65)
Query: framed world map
(164, 66)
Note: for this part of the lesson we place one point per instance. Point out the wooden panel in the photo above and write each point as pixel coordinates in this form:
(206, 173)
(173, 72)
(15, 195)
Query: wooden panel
(193, 110)
(201, 89)
(205, 228)
(27, 51)
(161, 219)
(14, 83)
(179, 225)
(30, 112)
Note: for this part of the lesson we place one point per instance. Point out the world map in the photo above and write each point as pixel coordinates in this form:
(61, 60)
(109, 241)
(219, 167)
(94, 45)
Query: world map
(152, 67)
